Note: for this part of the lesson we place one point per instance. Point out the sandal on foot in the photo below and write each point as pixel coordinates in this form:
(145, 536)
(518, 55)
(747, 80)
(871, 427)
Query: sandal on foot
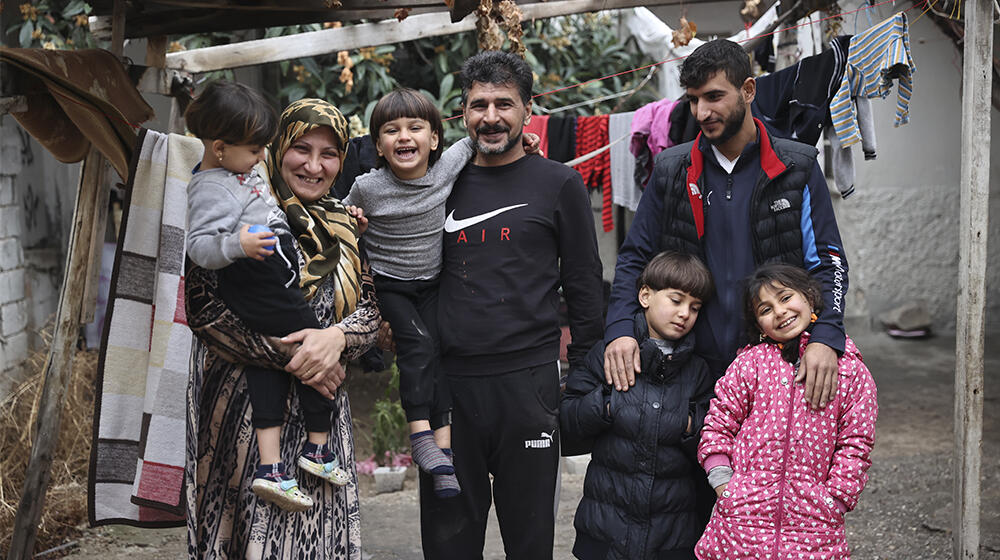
(329, 471)
(283, 493)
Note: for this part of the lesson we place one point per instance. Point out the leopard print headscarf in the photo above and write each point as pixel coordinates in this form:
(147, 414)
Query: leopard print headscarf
(326, 233)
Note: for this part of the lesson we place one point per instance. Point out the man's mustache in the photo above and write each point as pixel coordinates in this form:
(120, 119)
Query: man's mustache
(492, 129)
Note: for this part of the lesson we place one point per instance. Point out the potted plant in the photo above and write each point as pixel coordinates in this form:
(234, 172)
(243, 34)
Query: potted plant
(390, 439)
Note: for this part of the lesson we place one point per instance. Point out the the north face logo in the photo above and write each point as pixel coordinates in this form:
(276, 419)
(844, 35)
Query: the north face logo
(780, 204)
(695, 191)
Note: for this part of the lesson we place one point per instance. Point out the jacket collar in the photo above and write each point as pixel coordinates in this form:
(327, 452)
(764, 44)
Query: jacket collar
(650, 356)
(770, 163)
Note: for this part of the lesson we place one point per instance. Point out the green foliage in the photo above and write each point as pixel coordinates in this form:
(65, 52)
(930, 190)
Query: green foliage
(562, 51)
(389, 435)
(53, 24)
(576, 49)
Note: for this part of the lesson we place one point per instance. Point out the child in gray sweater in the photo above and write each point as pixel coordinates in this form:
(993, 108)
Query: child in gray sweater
(403, 200)
(258, 273)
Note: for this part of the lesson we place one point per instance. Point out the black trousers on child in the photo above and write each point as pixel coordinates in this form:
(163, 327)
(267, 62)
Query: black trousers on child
(504, 425)
(266, 296)
(411, 307)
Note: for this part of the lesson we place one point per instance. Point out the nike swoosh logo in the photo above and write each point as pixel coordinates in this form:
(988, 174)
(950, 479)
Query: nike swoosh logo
(451, 225)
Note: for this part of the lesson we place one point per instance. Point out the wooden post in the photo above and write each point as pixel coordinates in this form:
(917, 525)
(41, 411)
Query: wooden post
(58, 365)
(977, 74)
(95, 250)
(118, 28)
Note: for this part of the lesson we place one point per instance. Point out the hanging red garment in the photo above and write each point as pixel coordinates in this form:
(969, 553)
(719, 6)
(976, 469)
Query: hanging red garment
(592, 134)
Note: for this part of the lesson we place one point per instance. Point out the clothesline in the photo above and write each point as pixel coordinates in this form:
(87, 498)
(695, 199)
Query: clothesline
(597, 152)
(679, 58)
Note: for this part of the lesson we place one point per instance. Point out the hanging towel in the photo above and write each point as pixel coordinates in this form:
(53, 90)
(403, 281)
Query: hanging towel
(137, 459)
(539, 125)
(625, 190)
(876, 57)
(82, 97)
(591, 134)
(562, 138)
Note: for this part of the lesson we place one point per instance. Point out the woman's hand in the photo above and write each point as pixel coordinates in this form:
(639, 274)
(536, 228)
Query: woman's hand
(384, 340)
(317, 356)
(720, 489)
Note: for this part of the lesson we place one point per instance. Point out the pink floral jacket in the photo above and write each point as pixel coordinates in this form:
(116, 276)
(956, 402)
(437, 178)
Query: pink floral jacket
(797, 470)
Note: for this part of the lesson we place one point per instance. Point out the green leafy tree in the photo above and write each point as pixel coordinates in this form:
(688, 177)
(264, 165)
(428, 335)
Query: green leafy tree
(563, 52)
(53, 24)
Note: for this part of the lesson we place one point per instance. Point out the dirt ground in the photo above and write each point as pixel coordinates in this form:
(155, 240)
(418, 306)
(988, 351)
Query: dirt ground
(904, 513)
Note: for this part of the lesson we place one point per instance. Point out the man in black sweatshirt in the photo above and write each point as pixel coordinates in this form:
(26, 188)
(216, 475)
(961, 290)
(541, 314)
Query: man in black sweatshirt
(518, 228)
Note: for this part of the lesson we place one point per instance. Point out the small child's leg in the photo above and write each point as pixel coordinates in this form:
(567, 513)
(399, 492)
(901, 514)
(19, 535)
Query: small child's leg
(446, 485)
(426, 453)
(269, 444)
(442, 436)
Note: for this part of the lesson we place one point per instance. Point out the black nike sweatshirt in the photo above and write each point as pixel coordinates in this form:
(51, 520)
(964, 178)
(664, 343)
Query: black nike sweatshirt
(514, 235)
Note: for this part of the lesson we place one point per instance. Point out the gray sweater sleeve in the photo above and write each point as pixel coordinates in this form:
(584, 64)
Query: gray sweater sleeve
(452, 161)
(213, 240)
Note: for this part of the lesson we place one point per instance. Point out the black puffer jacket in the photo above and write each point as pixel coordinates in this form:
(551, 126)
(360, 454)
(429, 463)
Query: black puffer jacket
(639, 494)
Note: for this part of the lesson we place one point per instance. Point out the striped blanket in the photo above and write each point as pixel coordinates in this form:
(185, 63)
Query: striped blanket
(137, 459)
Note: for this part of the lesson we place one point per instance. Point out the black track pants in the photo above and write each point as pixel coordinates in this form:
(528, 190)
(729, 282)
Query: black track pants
(504, 425)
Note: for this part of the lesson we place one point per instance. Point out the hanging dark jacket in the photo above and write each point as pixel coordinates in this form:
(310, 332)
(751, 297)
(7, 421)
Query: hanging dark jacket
(639, 493)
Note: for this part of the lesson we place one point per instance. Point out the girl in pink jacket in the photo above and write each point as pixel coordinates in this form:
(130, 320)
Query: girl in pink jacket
(785, 473)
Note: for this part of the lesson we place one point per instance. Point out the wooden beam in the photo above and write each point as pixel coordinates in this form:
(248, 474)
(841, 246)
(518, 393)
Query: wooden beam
(58, 365)
(973, 227)
(316, 43)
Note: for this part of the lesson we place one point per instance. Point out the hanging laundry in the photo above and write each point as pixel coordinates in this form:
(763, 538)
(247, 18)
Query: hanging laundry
(591, 134)
(651, 133)
(562, 138)
(794, 102)
(683, 126)
(625, 190)
(842, 165)
(539, 124)
(877, 56)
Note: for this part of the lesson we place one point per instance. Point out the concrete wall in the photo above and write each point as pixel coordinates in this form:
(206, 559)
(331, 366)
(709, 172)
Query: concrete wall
(900, 227)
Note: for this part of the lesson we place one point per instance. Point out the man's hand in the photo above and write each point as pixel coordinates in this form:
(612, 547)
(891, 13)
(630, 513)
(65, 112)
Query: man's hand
(257, 245)
(532, 143)
(818, 367)
(621, 362)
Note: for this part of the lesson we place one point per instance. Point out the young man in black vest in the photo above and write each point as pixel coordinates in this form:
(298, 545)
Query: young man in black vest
(517, 229)
(738, 199)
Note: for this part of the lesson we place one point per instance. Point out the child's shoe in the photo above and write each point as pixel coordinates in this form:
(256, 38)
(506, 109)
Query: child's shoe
(321, 462)
(273, 485)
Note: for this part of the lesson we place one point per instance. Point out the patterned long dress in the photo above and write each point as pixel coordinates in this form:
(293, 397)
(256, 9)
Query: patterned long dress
(225, 519)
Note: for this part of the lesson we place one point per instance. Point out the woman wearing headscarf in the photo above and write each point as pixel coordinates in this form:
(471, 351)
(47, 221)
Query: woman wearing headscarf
(225, 518)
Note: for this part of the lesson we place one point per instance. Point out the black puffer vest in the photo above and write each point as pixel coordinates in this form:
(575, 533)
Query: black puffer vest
(776, 203)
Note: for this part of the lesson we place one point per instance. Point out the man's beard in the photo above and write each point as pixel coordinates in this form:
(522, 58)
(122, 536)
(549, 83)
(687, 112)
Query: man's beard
(493, 150)
(731, 126)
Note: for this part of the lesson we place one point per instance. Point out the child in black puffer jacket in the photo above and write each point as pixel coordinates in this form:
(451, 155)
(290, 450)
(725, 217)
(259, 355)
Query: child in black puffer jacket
(640, 495)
